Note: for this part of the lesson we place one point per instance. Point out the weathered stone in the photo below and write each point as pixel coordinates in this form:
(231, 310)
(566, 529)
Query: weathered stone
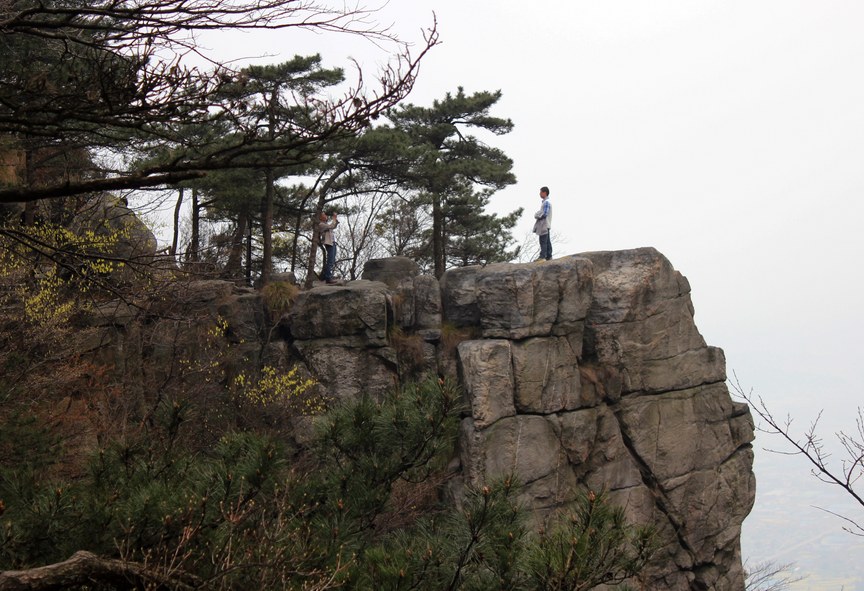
(418, 303)
(347, 372)
(519, 301)
(196, 295)
(548, 493)
(245, 318)
(526, 447)
(487, 377)
(703, 417)
(546, 376)
(710, 506)
(127, 237)
(427, 303)
(359, 309)
(390, 271)
(114, 313)
(632, 284)
(696, 446)
(403, 304)
(610, 465)
(459, 296)
(641, 322)
(686, 370)
(577, 431)
(283, 277)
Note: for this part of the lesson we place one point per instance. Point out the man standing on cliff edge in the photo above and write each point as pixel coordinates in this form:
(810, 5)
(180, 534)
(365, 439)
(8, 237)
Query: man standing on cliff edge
(543, 225)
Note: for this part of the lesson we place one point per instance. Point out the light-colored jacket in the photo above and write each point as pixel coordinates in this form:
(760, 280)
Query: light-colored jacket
(544, 218)
(325, 232)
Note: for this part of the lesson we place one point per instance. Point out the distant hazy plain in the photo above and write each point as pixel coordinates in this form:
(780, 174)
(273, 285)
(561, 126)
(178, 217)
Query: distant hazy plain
(786, 526)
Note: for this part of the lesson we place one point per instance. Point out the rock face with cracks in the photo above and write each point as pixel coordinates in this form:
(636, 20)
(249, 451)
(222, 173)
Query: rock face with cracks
(587, 371)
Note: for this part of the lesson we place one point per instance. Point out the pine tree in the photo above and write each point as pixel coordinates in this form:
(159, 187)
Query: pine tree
(474, 237)
(360, 510)
(447, 163)
(116, 79)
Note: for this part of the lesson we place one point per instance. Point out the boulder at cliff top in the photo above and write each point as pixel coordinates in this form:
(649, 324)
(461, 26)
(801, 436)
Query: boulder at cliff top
(542, 299)
(390, 271)
(361, 310)
(640, 324)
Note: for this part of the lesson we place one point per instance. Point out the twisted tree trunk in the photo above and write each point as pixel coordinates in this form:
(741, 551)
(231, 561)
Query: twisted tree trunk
(85, 568)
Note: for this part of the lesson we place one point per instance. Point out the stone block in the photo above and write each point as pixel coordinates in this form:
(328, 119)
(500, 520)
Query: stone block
(518, 301)
(487, 377)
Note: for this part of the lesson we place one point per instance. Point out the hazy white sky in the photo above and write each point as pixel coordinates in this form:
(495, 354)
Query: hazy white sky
(729, 135)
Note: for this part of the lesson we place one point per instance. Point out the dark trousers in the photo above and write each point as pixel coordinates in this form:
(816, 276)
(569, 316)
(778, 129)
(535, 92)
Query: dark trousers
(545, 246)
(329, 262)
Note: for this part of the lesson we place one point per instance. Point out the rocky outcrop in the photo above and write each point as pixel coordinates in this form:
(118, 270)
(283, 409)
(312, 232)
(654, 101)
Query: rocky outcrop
(342, 336)
(391, 271)
(584, 372)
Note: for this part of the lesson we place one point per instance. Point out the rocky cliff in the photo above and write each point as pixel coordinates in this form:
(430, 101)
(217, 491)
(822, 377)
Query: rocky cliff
(586, 371)
(583, 372)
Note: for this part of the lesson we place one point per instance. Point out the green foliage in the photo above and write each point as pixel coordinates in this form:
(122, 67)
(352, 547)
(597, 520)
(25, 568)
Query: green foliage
(149, 499)
(475, 237)
(144, 499)
(592, 545)
(28, 451)
(446, 167)
(367, 446)
(477, 546)
(247, 514)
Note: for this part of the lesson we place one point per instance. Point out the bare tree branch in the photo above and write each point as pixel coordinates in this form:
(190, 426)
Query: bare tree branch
(810, 445)
(769, 576)
(85, 568)
(110, 78)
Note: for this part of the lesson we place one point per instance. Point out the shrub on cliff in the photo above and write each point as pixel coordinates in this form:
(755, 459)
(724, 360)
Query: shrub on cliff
(361, 511)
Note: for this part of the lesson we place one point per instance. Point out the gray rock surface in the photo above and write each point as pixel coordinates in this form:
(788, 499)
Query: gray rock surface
(613, 389)
(517, 301)
(362, 310)
(586, 372)
(390, 271)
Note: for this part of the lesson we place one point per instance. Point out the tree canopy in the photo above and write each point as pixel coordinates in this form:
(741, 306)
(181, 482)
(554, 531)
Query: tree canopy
(448, 163)
(113, 76)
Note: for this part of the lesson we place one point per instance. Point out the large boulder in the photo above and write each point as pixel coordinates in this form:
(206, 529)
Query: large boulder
(519, 301)
(341, 333)
(120, 232)
(419, 303)
(362, 309)
(390, 271)
(641, 324)
(546, 375)
(347, 371)
(459, 296)
(487, 376)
